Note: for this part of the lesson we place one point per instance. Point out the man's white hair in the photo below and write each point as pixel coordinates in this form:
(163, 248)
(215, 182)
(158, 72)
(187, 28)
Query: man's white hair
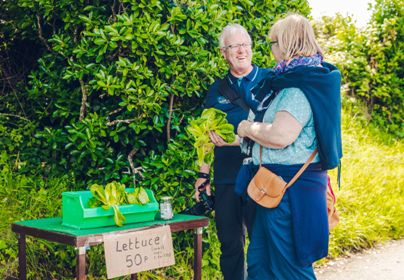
(230, 30)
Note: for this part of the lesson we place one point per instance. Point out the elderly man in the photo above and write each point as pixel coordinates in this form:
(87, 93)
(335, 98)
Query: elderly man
(229, 95)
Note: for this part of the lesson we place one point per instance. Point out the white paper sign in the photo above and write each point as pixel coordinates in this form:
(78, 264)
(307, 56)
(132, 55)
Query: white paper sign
(138, 251)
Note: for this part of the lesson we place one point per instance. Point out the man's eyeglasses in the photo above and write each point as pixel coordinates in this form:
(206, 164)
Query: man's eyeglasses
(234, 47)
(271, 43)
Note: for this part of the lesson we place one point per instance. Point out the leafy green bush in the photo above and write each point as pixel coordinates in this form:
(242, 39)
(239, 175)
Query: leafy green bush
(122, 78)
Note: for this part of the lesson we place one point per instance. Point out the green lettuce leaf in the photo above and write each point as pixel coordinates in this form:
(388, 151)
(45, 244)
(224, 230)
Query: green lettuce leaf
(210, 120)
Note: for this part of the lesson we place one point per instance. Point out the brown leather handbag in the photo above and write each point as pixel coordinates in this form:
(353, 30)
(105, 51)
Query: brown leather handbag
(267, 188)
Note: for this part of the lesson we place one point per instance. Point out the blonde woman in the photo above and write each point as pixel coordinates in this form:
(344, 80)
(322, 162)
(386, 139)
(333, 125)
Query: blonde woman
(297, 109)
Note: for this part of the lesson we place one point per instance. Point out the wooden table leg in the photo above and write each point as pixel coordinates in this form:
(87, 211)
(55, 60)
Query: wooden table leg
(198, 254)
(22, 257)
(81, 264)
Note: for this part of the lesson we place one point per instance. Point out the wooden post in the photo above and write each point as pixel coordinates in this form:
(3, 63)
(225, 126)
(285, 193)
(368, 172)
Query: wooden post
(198, 254)
(81, 264)
(22, 257)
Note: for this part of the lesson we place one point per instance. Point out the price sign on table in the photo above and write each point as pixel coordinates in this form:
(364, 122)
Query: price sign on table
(138, 251)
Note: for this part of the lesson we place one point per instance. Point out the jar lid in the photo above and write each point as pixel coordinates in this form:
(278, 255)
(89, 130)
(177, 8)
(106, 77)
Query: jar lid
(165, 198)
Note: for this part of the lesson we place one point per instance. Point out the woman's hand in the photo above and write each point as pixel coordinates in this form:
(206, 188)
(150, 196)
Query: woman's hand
(243, 128)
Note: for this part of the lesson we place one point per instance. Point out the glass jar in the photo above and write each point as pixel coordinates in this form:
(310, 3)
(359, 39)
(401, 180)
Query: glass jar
(166, 208)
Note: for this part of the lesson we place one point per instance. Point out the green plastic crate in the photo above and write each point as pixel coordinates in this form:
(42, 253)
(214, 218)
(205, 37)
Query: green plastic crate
(76, 214)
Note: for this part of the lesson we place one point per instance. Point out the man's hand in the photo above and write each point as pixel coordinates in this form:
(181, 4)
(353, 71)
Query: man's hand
(204, 169)
(217, 140)
(243, 128)
(199, 182)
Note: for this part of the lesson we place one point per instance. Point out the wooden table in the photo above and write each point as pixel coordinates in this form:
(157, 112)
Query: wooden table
(52, 229)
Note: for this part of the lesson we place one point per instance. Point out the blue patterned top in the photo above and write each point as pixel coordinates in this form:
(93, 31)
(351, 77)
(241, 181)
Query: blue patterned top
(294, 102)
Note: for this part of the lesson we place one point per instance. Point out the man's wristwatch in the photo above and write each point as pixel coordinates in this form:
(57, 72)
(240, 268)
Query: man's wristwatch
(203, 175)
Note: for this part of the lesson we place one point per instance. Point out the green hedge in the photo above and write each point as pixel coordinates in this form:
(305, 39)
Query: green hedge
(118, 77)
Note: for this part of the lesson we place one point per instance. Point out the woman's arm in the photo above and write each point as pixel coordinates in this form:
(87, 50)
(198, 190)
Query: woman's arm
(282, 132)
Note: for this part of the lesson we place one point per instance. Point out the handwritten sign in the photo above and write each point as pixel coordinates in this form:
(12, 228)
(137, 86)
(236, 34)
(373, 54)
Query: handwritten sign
(138, 251)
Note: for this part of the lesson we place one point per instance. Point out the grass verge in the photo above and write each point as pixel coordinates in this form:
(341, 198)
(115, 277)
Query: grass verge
(371, 198)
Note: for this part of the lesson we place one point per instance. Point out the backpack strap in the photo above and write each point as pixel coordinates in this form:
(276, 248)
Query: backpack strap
(227, 91)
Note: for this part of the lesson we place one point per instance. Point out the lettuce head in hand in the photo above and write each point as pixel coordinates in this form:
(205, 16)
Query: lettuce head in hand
(210, 120)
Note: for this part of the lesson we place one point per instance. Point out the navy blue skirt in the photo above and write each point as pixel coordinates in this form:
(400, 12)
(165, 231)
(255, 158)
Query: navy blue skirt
(308, 206)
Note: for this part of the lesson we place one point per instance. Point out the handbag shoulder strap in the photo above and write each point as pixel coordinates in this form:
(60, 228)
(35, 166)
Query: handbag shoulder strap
(301, 170)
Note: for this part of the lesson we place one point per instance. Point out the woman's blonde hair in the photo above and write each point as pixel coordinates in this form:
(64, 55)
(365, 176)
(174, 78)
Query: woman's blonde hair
(295, 37)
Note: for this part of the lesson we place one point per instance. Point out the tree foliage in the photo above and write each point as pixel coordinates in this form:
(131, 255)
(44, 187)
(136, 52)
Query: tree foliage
(371, 61)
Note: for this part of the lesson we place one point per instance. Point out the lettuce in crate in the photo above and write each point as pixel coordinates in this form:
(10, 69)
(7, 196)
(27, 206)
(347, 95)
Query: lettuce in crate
(113, 195)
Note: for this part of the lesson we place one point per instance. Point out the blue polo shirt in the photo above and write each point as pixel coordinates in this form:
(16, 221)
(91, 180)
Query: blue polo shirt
(228, 160)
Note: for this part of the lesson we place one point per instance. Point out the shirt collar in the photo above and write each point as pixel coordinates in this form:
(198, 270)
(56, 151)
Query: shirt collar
(250, 76)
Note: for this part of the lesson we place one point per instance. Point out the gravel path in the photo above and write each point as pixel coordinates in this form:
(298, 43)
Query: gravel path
(385, 261)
